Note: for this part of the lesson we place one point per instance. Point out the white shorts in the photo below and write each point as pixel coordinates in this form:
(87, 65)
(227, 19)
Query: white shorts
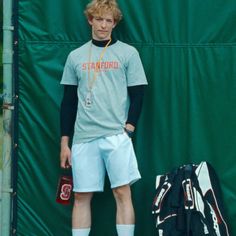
(91, 160)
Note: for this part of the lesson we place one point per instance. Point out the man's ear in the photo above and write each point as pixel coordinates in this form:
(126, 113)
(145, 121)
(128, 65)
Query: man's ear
(114, 25)
(90, 20)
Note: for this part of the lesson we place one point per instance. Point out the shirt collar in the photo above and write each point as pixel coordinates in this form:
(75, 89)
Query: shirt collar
(103, 42)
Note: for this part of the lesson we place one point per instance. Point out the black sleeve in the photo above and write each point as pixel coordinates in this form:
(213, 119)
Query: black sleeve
(136, 99)
(68, 109)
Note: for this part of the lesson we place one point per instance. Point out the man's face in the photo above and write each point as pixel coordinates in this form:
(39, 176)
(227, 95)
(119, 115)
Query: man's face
(102, 26)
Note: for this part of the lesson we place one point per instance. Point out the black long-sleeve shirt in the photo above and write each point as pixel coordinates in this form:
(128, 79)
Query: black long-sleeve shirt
(70, 100)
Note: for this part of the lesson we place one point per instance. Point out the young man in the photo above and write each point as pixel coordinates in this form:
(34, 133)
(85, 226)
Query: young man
(103, 89)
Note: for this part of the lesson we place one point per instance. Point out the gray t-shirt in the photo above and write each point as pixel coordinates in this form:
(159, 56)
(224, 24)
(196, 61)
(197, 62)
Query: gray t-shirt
(119, 68)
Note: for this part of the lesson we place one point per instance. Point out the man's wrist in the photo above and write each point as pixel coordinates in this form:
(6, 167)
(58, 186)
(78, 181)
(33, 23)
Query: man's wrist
(64, 141)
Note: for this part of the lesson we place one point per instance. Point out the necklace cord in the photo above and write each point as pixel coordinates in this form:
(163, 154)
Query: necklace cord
(97, 65)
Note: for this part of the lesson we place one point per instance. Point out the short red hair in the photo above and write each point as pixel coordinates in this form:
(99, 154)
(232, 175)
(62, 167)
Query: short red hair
(99, 7)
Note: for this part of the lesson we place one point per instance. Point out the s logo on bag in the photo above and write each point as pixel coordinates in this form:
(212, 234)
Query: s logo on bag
(65, 191)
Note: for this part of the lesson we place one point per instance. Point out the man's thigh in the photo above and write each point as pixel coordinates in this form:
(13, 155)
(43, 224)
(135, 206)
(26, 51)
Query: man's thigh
(87, 167)
(120, 160)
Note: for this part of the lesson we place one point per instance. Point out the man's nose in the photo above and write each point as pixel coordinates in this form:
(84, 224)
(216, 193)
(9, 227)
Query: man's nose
(104, 23)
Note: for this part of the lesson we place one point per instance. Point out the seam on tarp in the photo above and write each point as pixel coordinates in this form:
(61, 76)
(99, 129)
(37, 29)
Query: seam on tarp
(143, 44)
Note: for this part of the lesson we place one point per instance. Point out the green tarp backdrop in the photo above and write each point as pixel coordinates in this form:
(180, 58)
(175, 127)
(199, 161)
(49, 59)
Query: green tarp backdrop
(188, 48)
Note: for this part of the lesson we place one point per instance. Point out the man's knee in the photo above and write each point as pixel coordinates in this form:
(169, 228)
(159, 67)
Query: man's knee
(122, 193)
(82, 198)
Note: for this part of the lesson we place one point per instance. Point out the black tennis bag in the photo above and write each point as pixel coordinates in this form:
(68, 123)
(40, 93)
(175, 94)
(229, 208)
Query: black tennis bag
(188, 202)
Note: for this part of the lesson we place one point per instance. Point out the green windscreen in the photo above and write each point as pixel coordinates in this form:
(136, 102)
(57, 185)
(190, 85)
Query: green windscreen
(188, 49)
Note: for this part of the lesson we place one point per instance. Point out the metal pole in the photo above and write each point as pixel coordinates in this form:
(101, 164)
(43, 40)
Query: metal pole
(6, 188)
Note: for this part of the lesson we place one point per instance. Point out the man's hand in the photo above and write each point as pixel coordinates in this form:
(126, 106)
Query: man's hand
(130, 127)
(65, 155)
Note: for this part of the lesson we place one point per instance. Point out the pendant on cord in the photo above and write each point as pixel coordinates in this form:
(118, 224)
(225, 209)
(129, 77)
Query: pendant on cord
(88, 99)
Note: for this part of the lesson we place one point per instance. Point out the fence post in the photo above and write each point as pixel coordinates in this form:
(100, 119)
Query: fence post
(8, 107)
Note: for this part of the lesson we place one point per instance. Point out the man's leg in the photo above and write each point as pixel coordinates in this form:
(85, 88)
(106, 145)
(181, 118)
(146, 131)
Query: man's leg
(81, 214)
(125, 218)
